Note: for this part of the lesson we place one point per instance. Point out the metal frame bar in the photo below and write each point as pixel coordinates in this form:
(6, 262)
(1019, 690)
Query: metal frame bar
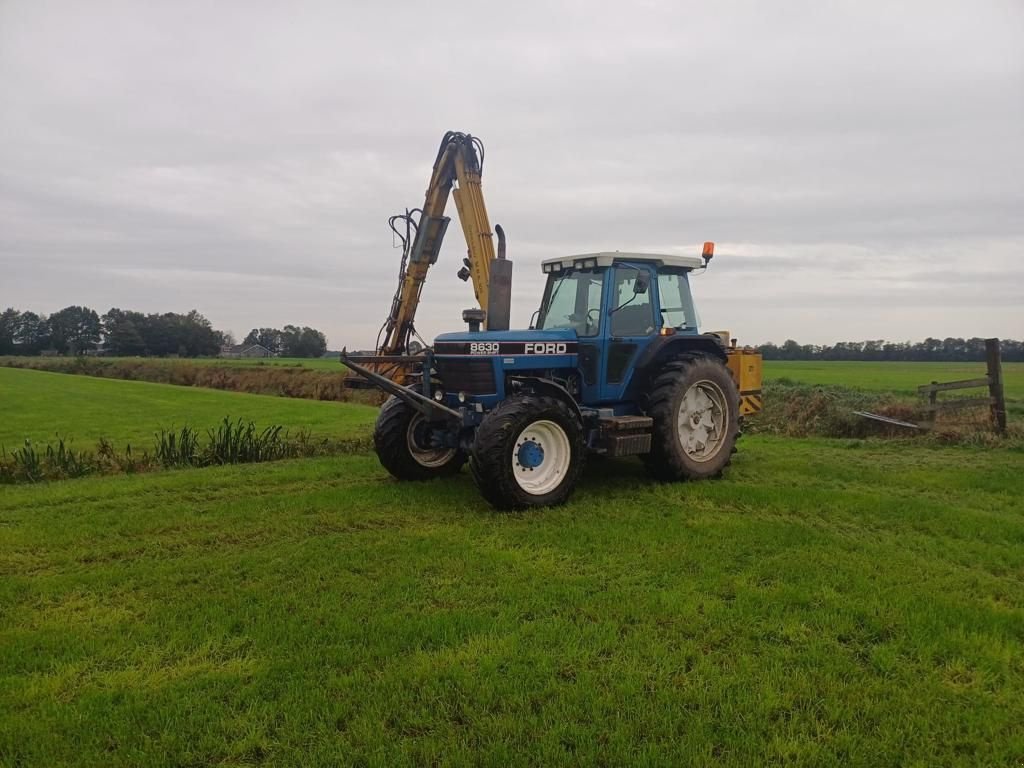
(411, 397)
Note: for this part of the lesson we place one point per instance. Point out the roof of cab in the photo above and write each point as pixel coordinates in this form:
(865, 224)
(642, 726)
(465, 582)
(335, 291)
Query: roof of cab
(606, 258)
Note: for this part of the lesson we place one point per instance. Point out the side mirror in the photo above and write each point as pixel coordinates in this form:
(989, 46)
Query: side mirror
(642, 282)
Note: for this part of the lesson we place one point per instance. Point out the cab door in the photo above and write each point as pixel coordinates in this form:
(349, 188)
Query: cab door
(630, 323)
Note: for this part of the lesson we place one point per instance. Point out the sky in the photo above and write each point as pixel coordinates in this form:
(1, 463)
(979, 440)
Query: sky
(860, 165)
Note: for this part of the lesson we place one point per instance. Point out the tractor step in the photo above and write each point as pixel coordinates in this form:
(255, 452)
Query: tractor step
(626, 423)
(626, 435)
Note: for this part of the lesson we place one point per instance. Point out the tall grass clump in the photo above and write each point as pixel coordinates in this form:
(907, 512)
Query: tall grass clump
(53, 461)
(240, 442)
(178, 448)
(804, 410)
(793, 409)
(230, 442)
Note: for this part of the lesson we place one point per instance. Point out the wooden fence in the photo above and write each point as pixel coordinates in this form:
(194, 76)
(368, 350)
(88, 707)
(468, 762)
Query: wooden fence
(993, 380)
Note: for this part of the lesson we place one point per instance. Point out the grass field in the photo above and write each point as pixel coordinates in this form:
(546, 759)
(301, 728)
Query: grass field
(890, 377)
(37, 405)
(827, 603)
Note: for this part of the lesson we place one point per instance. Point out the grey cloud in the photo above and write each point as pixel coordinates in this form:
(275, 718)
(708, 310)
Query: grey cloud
(242, 158)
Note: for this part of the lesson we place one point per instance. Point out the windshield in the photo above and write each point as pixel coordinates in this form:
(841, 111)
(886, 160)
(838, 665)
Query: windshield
(572, 299)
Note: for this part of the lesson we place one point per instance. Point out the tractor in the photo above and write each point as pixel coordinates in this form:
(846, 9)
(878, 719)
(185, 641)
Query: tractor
(613, 364)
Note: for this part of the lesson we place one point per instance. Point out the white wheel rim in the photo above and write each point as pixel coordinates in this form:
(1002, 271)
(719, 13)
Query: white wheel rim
(703, 420)
(425, 457)
(541, 457)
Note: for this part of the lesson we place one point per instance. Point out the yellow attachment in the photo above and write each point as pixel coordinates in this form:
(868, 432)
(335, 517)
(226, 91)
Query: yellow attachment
(745, 366)
(457, 173)
(469, 202)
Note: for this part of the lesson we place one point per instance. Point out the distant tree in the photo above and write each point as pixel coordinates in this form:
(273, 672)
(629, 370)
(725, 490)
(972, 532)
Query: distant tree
(32, 335)
(9, 322)
(75, 329)
(302, 342)
(121, 334)
(267, 337)
(946, 350)
(790, 350)
(197, 335)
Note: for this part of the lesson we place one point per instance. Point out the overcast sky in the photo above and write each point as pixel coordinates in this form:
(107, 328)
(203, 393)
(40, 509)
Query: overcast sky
(860, 165)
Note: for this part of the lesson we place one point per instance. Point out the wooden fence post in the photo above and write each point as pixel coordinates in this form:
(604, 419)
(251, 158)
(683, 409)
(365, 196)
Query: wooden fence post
(995, 385)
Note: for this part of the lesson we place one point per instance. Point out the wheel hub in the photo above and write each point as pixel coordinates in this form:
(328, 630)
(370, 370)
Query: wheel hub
(420, 445)
(530, 454)
(702, 420)
(541, 457)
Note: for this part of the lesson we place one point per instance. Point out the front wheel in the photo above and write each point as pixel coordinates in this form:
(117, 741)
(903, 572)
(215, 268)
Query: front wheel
(401, 438)
(528, 452)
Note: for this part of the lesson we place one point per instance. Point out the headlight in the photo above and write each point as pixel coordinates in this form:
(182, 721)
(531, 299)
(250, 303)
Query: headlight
(462, 397)
(439, 395)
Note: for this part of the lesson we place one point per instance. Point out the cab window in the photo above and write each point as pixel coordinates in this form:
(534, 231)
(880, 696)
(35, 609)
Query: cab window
(675, 300)
(633, 313)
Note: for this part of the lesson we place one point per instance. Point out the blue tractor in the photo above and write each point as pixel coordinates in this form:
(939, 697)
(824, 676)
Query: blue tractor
(613, 364)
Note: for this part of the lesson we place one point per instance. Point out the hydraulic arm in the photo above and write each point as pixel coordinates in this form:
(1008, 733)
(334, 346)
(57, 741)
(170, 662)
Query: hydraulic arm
(456, 172)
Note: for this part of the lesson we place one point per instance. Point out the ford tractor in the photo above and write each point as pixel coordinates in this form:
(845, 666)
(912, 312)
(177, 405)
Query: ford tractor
(613, 364)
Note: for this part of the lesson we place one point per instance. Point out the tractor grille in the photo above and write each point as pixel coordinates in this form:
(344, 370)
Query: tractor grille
(466, 374)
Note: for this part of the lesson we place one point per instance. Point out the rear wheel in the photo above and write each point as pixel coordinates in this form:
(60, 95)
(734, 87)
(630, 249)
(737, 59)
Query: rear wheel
(402, 440)
(694, 403)
(528, 452)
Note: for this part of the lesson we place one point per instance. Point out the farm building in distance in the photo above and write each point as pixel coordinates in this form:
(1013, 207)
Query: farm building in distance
(245, 350)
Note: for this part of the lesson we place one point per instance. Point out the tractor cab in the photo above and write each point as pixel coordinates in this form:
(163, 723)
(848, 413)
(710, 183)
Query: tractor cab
(617, 304)
(603, 319)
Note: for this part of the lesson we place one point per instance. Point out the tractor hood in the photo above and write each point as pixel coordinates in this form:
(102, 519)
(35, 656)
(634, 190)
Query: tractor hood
(560, 341)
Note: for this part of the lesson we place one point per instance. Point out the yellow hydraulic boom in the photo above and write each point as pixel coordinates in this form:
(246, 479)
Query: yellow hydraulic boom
(457, 172)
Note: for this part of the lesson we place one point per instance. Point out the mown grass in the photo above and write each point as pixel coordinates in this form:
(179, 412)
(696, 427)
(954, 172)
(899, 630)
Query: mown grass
(38, 405)
(828, 602)
(279, 380)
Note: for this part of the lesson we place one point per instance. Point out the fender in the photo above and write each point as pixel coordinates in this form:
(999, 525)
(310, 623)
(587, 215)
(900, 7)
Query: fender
(665, 346)
(549, 387)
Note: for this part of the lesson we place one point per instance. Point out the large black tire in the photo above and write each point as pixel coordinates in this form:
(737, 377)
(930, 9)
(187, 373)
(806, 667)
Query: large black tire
(694, 403)
(394, 438)
(512, 445)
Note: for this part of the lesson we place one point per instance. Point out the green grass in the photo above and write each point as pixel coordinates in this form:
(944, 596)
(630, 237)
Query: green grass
(37, 405)
(828, 602)
(891, 377)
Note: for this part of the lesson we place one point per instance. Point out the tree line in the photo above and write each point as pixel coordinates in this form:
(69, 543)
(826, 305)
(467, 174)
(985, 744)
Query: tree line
(290, 341)
(79, 330)
(929, 350)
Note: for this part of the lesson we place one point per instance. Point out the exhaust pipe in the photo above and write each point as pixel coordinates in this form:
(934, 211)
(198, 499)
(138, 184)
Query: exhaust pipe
(499, 288)
(501, 240)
